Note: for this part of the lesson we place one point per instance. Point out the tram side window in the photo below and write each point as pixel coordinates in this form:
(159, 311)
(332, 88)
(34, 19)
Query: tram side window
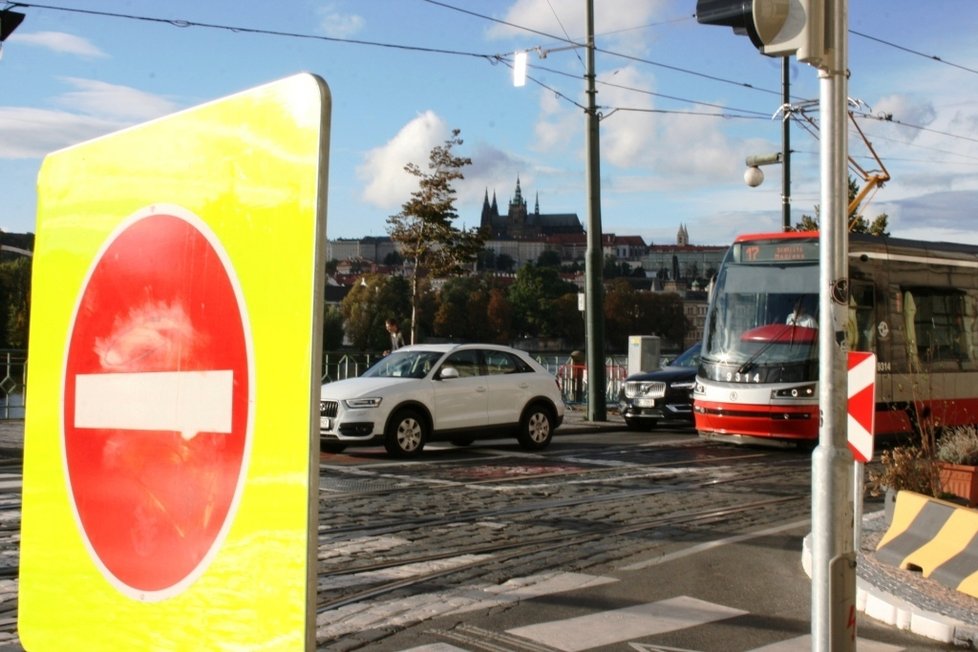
(941, 323)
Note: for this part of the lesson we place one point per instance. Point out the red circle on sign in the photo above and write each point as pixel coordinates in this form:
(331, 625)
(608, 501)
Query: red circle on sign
(154, 472)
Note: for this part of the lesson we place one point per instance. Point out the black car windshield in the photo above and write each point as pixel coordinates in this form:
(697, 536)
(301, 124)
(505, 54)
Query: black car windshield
(404, 364)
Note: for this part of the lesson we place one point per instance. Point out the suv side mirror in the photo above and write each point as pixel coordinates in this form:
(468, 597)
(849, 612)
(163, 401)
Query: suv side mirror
(447, 372)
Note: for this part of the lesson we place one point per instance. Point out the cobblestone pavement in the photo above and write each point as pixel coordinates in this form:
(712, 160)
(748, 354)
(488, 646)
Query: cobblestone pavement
(454, 524)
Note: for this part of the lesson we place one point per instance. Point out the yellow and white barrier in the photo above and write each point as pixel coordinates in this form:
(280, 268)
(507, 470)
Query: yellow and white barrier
(938, 537)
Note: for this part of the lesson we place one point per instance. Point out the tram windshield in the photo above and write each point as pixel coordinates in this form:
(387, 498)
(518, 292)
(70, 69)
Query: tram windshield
(763, 322)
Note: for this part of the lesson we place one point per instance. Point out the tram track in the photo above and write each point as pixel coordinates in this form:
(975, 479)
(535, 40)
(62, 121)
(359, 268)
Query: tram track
(525, 548)
(397, 524)
(519, 522)
(526, 536)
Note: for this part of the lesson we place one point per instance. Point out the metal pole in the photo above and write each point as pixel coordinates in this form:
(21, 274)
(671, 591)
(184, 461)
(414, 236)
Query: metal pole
(833, 554)
(594, 261)
(785, 146)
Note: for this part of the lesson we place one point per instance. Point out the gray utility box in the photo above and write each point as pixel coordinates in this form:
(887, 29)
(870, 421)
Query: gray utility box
(643, 353)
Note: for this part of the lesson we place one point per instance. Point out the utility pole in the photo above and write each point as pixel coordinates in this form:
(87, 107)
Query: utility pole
(785, 145)
(594, 261)
(833, 552)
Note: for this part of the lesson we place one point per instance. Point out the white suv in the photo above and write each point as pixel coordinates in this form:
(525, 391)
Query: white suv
(454, 392)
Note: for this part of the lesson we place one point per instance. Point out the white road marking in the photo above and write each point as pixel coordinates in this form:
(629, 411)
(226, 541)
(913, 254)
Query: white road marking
(609, 627)
(187, 402)
(805, 643)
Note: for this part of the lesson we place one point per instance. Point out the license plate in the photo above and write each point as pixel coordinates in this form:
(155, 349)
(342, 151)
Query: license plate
(645, 402)
(325, 423)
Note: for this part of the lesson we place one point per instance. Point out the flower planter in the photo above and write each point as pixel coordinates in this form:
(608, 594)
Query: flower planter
(959, 480)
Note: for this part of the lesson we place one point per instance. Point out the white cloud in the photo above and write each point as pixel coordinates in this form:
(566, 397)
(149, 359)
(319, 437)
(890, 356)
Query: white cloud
(60, 42)
(615, 25)
(387, 184)
(556, 125)
(113, 101)
(33, 133)
(92, 109)
(906, 109)
(337, 24)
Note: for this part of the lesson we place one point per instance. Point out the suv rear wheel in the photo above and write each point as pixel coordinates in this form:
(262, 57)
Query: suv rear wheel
(406, 434)
(536, 428)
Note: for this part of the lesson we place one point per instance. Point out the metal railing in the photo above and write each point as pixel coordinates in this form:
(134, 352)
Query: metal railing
(13, 383)
(337, 365)
(571, 377)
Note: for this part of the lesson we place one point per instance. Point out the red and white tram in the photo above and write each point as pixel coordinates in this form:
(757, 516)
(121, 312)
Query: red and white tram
(914, 304)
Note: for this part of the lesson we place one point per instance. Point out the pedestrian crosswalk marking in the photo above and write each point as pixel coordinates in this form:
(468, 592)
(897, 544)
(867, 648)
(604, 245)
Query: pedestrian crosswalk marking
(609, 627)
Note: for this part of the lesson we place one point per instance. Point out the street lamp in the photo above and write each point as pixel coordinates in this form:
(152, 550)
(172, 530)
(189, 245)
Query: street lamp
(753, 175)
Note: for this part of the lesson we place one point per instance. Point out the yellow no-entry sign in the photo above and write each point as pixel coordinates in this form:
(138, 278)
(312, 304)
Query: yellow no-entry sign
(171, 451)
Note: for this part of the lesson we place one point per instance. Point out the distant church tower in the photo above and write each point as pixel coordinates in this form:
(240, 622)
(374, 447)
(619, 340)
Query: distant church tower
(517, 213)
(682, 238)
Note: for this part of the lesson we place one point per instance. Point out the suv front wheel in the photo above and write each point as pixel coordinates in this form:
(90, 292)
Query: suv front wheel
(536, 428)
(406, 434)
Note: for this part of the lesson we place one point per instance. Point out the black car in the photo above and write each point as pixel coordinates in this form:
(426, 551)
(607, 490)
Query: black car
(666, 394)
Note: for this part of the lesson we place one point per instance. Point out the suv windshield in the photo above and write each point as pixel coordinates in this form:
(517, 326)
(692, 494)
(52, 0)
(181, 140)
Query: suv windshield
(688, 358)
(404, 364)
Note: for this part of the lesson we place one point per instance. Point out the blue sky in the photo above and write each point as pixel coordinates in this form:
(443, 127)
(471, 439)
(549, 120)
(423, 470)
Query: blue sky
(682, 104)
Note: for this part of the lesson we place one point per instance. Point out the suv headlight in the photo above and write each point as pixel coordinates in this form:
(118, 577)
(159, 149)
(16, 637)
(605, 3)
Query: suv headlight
(686, 384)
(358, 403)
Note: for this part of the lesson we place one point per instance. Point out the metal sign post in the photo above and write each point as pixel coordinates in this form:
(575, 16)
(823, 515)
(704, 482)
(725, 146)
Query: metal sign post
(833, 554)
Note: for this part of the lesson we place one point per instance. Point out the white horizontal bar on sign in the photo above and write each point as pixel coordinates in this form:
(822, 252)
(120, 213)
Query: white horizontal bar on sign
(187, 402)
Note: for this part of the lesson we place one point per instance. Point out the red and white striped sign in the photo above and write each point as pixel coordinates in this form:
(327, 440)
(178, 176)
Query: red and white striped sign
(862, 404)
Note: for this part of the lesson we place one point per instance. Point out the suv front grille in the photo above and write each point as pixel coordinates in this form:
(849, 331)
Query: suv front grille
(646, 388)
(328, 408)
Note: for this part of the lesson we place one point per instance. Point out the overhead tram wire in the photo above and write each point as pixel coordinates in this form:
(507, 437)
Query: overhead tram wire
(932, 57)
(257, 30)
(748, 113)
(492, 58)
(704, 75)
(603, 51)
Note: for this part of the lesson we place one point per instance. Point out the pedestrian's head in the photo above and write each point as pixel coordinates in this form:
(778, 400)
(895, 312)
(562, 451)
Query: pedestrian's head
(391, 326)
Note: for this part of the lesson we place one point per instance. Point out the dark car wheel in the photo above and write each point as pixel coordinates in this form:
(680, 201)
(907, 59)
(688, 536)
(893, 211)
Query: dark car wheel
(331, 447)
(536, 428)
(406, 434)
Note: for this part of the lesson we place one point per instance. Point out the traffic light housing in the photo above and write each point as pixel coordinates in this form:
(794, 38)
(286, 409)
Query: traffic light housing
(777, 28)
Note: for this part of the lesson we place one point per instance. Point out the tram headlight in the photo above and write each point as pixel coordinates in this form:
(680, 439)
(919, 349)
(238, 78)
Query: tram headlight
(798, 391)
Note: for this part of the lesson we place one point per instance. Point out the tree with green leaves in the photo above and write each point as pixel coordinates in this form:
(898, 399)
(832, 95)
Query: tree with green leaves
(15, 302)
(857, 222)
(376, 298)
(632, 312)
(532, 295)
(424, 230)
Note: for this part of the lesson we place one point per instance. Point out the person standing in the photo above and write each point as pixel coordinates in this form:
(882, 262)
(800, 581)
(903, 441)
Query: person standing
(397, 340)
